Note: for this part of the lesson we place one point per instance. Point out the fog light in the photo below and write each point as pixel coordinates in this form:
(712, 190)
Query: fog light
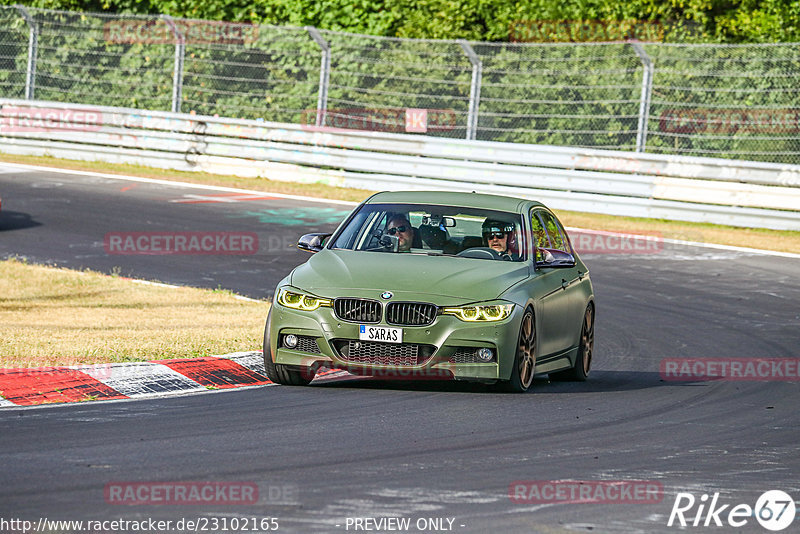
(290, 341)
(485, 354)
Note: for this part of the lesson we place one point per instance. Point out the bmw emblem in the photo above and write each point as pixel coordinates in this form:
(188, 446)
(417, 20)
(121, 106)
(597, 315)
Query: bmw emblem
(386, 295)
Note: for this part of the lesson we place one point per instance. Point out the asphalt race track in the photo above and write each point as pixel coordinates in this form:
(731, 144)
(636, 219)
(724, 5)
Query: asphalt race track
(59, 219)
(450, 453)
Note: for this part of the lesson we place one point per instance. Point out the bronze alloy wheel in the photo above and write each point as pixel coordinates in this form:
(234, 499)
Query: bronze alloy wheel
(583, 361)
(587, 339)
(526, 351)
(525, 359)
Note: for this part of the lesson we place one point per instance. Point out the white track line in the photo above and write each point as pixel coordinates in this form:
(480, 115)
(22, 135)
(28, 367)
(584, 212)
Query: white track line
(687, 243)
(173, 286)
(175, 183)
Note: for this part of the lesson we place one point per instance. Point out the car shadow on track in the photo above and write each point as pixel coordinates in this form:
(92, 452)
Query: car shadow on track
(15, 220)
(599, 381)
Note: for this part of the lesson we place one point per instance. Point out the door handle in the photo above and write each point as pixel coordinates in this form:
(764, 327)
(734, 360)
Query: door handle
(564, 283)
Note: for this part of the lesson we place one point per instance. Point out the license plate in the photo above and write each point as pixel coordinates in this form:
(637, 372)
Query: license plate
(380, 333)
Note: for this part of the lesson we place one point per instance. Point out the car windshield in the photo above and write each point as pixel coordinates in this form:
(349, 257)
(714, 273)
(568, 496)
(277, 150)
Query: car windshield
(434, 230)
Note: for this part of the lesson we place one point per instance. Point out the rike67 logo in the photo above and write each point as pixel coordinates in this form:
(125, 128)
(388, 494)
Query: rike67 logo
(774, 510)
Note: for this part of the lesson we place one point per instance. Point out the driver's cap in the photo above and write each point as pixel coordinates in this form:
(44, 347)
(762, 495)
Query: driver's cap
(491, 226)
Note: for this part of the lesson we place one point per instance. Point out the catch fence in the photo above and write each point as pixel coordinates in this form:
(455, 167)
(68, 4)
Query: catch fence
(729, 101)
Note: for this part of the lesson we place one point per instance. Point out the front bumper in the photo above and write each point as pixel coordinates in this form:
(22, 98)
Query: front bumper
(447, 342)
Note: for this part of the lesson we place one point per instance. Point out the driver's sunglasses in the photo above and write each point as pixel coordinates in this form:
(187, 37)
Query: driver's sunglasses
(496, 235)
(396, 229)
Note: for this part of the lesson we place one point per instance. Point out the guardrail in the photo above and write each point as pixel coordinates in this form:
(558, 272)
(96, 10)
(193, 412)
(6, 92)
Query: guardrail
(739, 193)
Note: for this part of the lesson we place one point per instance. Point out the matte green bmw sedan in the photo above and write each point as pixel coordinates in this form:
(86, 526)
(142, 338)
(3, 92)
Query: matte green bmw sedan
(416, 285)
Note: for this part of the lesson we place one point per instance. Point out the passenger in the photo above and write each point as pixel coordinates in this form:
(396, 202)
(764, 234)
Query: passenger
(399, 226)
(497, 235)
(435, 237)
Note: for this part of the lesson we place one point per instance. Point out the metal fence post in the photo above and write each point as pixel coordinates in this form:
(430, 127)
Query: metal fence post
(474, 88)
(324, 74)
(33, 48)
(177, 74)
(644, 99)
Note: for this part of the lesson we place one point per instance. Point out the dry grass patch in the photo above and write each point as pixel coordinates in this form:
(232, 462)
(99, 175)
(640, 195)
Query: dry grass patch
(53, 316)
(782, 241)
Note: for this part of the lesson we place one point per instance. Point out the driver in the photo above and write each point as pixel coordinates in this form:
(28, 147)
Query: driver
(496, 235)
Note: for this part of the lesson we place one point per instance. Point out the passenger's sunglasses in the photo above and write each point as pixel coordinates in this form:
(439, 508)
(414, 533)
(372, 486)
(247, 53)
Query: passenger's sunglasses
(496, 235)
(396, 229)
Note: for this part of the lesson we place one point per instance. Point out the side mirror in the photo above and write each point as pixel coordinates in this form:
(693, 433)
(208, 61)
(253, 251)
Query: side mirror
(312, 242)
(556, 258)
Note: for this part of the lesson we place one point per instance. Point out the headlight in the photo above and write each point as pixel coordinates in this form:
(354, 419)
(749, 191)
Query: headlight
(472, 314)
(300, 301)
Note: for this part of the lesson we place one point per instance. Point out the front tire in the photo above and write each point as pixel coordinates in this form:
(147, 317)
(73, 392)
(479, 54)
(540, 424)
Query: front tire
(525, 358)
(279, 373)
(583, 362)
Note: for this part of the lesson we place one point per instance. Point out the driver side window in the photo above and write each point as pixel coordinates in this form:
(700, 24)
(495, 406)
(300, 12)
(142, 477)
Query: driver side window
(548, 233)
(555, 232)
(540, 239)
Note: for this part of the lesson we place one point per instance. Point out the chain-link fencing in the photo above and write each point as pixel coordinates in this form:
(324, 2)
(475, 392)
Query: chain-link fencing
(732, 101)
(740, 101)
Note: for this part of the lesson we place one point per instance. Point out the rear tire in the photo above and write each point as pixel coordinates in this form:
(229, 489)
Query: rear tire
(279, 373)
(583, 361)
(525, 358)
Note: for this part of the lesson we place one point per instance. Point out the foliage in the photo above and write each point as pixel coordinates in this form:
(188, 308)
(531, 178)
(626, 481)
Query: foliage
(484, 20)
(571, 94)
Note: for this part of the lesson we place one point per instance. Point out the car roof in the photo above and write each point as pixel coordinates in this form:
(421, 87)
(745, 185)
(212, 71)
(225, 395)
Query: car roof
(451, 198)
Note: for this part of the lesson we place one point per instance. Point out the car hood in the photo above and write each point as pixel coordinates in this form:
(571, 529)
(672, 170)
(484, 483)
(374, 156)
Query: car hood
(330, 272)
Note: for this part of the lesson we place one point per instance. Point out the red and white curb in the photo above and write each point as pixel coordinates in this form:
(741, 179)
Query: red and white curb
(48, 385)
